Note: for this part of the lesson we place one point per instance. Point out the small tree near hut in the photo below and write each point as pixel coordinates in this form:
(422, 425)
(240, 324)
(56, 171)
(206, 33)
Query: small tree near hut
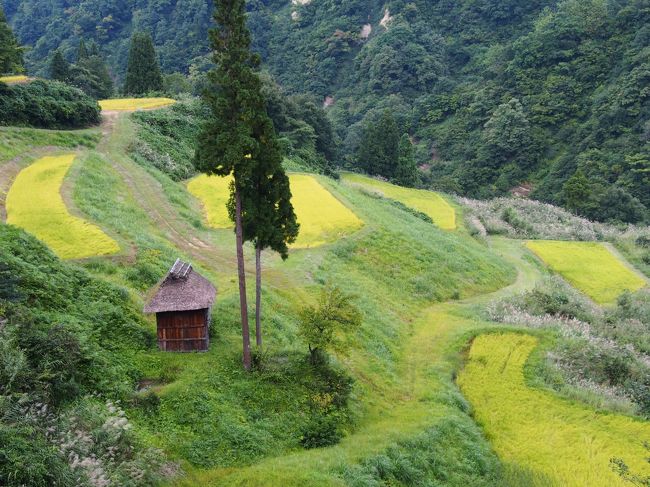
(322, 326)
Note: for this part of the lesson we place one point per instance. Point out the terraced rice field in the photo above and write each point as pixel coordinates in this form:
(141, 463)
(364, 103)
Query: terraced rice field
(560, 442)
(428, 202)
(589, 266)
(133, 104)
(34, 203)
(323, 219)
(19, 78)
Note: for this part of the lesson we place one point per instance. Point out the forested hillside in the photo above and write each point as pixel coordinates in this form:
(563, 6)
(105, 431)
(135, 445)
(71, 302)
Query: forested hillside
(494, 94)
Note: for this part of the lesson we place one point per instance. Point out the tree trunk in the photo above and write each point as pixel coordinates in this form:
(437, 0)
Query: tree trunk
(242, 283)
(258, 297)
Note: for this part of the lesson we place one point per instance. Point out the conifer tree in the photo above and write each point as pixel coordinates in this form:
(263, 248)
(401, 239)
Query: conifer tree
(406, 171)
(378, 151)
(272, 222)
(11, 55)
(238, 137)
(143, 70)
(59, 67)
(82, 52)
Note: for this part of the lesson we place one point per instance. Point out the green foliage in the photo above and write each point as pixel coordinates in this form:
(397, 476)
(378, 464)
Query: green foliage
(322, 327)
(406, 171)
(143, 69)
(430, 458)
(59, 67)
(11, 55)
(90, 74)
(378, 151)
(47, 104)
(166, 138)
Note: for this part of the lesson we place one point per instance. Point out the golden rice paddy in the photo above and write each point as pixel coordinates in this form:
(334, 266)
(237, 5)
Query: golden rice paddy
(428, 202)
(323, 219)
(559, 442)
(133, 104)
(19, 78)
(34, 203)
(589, 266)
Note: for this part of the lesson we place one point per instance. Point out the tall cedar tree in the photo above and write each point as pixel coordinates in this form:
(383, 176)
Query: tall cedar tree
(273, 223)
(59, 67)
(378, 151)
(238, 135)
(143, 70)
(82, 52)
(406, 171)
(11, 55)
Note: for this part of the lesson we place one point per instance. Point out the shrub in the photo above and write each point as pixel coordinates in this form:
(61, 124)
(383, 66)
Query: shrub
(47, 104)
(321, 431)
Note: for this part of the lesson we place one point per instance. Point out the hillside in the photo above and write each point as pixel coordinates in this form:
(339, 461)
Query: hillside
(546, 93)
(420, 290)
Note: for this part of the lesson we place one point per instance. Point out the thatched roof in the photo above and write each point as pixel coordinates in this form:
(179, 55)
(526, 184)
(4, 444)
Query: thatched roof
(183, 289)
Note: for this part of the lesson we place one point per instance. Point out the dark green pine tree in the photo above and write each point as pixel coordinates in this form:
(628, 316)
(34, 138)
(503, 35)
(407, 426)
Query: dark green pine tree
(406, 171)
(59, 67)
(236, 135)
(82, 52)
(378, 150)
(94, 74)
(11, 55)
(143, 70)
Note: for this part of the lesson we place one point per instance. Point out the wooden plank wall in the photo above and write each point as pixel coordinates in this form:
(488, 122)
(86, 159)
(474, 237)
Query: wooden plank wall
(183, 331)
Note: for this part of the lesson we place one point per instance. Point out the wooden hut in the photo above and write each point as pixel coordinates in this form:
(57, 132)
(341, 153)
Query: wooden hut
(183, 305)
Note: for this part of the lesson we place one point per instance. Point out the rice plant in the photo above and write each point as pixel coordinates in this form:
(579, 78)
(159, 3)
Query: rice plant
(132, 104)
(589, 266)
(428, 202)
(323, 219)
(567, 443)
(34, 203)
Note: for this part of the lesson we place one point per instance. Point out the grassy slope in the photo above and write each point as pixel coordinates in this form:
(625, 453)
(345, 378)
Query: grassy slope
(18, 141)
(428, 202)
(242, 428)
(400, 263)
(34, 203)
(554, 438)
(589, 266)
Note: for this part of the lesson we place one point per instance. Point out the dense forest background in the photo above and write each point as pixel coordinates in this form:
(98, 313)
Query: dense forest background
(548, 96)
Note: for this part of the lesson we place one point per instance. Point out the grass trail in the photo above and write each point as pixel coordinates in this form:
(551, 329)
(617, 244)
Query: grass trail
(34, 203)
(559, 440)
(132, 104)
(589, 266)
(428, 202)
(323, 218)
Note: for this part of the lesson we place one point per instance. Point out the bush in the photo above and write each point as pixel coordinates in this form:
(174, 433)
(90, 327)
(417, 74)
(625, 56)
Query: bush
(321, 431)
(47, 104)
